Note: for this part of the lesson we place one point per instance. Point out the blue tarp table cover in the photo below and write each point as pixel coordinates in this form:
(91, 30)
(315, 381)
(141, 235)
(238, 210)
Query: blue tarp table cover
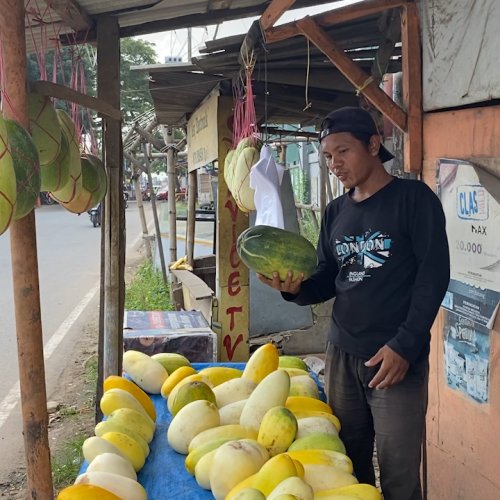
(164, 476)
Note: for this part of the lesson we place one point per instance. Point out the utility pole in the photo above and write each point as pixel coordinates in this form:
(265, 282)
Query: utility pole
(190, 44)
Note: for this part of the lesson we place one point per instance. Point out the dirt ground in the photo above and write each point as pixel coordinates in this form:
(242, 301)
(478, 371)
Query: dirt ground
(73, 413)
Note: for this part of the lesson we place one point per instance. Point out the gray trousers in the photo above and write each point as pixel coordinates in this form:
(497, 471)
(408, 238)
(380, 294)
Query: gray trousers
(394, 418)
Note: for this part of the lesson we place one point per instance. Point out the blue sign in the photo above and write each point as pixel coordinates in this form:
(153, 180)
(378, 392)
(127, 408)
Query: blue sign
(472, 202)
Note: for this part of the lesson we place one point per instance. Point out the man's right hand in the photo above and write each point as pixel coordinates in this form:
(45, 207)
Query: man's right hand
(288, 286)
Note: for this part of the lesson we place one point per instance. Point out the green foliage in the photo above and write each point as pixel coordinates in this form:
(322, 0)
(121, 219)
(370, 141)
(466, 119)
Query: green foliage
(135, 95)
(158, 165)
(66, 464)
(148, 292)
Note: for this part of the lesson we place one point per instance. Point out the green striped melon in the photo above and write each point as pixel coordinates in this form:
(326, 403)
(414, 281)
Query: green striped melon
(72, 188)
(91, 191)
(45, 127)
(55, 175)
(240, 188)
(26, 166)
(266, 249)
(8, 192)
(102, 187)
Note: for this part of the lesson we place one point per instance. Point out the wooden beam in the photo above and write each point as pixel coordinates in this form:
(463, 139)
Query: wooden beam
(332, 17)
(159, 144)
(158, 25)
(361, 81)
(273, 12)
(135, 161)
(71, 14)
(65, 93)
(412, 88)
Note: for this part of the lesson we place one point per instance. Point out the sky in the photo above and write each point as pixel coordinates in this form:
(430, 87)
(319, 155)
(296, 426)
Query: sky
(174, 43)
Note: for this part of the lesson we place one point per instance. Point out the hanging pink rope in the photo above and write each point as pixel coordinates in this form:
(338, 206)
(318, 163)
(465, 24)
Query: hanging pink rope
(245, 118)
(239, 103)
(250, 118)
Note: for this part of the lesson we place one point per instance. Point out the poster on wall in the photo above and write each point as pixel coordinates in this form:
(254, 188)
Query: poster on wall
(466, 354)
(478, 304)
(471, 202)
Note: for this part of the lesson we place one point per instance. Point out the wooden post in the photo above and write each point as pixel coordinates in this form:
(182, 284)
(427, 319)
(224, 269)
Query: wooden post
(412, 88)
(172, 183)
(108, 85)
(155, 213)
(232, 280)
(25, 272)
(142, 215)
(191, 215)
(323, 183)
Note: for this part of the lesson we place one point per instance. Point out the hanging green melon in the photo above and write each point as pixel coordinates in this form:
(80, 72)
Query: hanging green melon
(45, 127)
(26, 167)
(72, 188)
(102, 185)
(55, 175)
(92, 190)
(7, 180)
(240, 188)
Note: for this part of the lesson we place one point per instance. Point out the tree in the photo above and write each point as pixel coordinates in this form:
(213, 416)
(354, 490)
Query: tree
(81, 61)
(135, 95)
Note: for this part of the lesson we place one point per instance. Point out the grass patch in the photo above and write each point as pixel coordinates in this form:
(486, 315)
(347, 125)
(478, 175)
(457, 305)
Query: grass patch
(66, 465)
(91, 367)
(148, 291)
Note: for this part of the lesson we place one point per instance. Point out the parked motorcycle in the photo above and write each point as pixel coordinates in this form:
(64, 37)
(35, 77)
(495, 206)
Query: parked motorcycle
(95, 215)
(45, 199)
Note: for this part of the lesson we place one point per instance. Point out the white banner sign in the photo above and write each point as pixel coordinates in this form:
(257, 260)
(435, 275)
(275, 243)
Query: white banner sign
(471, 202)
(202, 135)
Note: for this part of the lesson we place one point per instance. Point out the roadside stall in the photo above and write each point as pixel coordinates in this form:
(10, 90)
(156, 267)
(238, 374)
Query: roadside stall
(299, 72)
(206, 127)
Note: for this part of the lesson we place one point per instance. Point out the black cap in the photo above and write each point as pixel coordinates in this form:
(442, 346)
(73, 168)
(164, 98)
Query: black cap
(354, 120)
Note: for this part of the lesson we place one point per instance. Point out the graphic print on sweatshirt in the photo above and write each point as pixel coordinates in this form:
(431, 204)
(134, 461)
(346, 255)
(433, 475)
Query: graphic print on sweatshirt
(356, 254)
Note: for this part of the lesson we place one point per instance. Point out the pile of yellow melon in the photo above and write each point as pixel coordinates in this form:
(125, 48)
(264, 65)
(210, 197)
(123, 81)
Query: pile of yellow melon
(260, 433)
(257, 433)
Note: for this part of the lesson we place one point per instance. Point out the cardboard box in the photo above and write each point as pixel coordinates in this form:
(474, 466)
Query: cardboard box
(183, 332)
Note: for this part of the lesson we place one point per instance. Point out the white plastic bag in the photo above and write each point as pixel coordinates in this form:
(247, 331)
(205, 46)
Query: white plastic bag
(265, 179)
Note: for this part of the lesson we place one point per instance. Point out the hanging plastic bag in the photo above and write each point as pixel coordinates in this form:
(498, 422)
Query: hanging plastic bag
(265, 179)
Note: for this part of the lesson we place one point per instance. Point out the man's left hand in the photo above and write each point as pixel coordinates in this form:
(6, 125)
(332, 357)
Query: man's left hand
(393, 368)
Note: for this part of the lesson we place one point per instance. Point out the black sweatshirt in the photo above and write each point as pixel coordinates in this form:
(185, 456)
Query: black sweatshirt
(386, 261)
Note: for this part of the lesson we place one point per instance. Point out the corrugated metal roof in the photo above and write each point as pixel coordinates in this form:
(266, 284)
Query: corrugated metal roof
(294, 96)
(177, 91)
(136, 17)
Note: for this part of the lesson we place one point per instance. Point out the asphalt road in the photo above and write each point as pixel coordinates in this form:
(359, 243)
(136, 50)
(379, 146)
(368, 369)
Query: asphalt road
(68, 259)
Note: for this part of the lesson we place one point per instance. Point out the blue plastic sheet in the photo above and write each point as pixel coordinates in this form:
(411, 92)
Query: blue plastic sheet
(164, 476)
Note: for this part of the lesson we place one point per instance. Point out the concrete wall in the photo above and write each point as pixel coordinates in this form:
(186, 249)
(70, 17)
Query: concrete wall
(463, 452)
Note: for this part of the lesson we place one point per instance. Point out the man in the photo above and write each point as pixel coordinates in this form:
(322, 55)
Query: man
(383, 254)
